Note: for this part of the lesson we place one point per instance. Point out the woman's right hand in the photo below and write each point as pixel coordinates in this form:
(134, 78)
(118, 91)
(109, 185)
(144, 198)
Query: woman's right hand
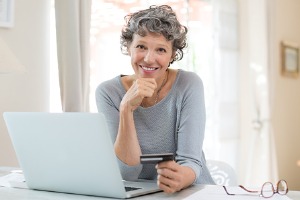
(127, 146)
(140, 89)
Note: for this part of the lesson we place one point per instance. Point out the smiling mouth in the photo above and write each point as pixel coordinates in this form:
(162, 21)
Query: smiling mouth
(148, 68)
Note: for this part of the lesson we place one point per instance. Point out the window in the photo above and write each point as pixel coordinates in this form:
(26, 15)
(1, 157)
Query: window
(212, 53)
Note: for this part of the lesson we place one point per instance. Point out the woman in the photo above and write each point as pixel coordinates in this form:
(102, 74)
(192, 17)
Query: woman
(157, 109)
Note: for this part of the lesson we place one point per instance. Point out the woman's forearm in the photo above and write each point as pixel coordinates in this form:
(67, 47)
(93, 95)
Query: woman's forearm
(126, 146)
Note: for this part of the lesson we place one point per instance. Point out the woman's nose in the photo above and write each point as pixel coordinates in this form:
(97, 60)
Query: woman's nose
(149, 57)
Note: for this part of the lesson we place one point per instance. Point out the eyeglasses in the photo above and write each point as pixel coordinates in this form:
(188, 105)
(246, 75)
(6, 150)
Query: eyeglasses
(267, 189)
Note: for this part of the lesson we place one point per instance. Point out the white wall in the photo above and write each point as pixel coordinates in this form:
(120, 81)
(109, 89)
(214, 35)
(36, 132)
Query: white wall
(28, 91)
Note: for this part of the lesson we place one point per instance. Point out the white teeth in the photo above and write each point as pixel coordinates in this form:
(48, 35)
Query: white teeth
(148, 68)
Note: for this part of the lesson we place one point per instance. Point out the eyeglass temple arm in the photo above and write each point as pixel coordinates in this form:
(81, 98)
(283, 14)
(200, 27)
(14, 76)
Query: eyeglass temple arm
(251, 191)
(227, 191)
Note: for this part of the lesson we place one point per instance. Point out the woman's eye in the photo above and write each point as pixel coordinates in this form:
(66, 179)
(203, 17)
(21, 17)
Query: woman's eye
(162, 50)
(140, 47)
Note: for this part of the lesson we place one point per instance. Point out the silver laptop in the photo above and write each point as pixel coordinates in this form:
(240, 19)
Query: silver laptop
(70, 153)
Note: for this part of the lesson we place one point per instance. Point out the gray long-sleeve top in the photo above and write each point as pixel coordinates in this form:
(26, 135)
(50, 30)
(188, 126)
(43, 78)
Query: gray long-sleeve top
(175, 124)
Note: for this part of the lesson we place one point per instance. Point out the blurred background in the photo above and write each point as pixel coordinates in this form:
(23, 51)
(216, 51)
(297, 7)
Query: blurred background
(53, 54)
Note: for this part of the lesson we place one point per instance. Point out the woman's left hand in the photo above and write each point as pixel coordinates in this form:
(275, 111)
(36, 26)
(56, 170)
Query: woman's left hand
(173, 177)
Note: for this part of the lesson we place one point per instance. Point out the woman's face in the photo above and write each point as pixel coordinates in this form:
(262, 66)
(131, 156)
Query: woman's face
(150, 55)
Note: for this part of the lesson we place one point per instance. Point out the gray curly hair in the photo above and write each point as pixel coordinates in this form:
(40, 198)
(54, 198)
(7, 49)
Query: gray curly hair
(156, 19)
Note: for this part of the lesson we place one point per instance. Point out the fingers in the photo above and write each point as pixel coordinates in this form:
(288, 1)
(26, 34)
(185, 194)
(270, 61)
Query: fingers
(168, 184)
(144, 87)
(172, 165)
(169, 178)
(140, 89)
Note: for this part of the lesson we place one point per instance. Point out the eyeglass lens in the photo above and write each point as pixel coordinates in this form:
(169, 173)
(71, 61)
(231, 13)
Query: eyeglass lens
(282, 187)
(268, 189)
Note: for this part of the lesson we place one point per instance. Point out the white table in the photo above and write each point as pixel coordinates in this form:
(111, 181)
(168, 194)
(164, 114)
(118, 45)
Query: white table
(25, 194)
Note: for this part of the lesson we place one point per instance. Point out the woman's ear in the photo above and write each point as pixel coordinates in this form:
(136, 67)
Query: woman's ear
(173, 57)
(128, 48)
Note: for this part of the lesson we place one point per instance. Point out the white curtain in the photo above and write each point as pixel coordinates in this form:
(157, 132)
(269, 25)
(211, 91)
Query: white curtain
(258, 156)
(73, 50)
(220, 52)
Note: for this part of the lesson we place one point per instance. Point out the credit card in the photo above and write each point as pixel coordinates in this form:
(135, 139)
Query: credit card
(156, 158)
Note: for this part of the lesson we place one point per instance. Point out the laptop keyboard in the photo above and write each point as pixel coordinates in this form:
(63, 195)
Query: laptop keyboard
(131, 188)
